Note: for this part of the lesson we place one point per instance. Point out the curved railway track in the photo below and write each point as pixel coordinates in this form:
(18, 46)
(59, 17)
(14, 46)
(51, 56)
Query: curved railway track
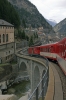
(62, 78)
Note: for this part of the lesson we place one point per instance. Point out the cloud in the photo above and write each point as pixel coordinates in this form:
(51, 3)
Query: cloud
(51, 9)
(62, 3)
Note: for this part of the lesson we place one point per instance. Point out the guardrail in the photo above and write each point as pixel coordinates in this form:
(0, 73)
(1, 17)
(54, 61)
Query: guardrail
(37, 94)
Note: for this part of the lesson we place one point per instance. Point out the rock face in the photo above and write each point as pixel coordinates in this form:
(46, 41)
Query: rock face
(29, 13)
(60, 28)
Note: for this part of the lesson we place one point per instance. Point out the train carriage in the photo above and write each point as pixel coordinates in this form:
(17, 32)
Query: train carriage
(34, 50)
(49, 51)
(55, 51)
(30, 50)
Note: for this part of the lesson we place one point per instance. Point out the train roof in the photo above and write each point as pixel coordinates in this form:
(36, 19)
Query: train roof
(64, 39)
(34, 46)
(50, 43)
(44, 45)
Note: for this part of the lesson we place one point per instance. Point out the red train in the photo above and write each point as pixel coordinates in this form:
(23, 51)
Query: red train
(55, 51)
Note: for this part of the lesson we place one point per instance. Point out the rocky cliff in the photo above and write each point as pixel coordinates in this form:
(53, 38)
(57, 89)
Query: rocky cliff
(60, 28)
(29, 14)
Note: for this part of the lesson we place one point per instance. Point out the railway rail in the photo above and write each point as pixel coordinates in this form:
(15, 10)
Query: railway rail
(61, 75)
(62, 78)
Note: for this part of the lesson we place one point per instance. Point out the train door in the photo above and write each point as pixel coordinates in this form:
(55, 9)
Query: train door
(64, 50)
(60, 50)
(36, 50)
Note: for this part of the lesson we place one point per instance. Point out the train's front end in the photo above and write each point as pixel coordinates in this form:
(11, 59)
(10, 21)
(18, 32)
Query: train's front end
(30, 50)
(36, 50)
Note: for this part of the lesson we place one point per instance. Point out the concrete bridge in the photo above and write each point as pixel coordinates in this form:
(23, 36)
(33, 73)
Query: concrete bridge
(35, 67)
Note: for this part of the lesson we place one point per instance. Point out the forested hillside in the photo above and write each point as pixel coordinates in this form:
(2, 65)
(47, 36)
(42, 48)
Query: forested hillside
(30, 14)
(24, 13)
(8, 13)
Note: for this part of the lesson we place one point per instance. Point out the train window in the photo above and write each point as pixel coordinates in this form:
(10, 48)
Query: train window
(62, 53)
(60, 49)
(38, 48)
(48, 49)
(52, 49)
(44, 49)
(41, 49)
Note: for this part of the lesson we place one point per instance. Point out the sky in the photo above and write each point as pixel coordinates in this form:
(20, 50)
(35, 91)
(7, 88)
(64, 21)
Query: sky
(51, 9)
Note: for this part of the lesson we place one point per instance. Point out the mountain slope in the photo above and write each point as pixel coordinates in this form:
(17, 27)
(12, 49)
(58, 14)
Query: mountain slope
(8, 13)
(51, 22)
(61, 27)
(29, 13)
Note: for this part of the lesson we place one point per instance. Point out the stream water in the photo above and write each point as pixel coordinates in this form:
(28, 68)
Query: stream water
(19, 89)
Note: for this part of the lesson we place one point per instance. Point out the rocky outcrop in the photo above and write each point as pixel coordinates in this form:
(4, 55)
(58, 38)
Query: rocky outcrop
(60, 28)
(30, 14)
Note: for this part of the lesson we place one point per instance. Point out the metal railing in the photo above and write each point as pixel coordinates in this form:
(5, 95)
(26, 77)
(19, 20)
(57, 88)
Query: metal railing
(43, 84)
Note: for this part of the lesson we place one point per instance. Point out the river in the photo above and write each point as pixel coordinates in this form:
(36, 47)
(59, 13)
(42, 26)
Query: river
(19, 89)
